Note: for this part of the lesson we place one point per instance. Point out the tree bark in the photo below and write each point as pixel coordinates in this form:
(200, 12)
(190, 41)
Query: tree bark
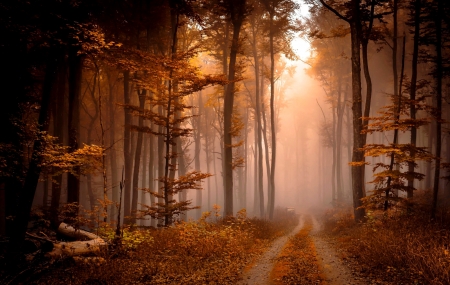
(412, 95)
(112, 151)
(439, 75)
(237, 16)
(333, 165)
(34, 168)
(75, 76)
(137, 158)
(127, 155)
(197, 150)
(271, 199)
(59, 102)
(358, 139)
(91, 243)
(258, 128)
(339, 128)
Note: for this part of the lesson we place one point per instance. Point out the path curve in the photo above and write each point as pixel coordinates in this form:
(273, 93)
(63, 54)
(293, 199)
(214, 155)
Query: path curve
(259, 274)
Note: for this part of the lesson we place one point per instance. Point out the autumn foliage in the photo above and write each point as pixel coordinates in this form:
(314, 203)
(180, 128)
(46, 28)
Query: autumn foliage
(212, 250)
(394, 247)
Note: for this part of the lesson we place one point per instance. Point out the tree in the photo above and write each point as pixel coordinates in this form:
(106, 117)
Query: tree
(352, 15)
(237, 11)
(280, 29)
(44, 46)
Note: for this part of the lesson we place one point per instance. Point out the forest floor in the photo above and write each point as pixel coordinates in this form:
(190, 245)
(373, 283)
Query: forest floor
(320, 247)
(258, 272)
(304, 256)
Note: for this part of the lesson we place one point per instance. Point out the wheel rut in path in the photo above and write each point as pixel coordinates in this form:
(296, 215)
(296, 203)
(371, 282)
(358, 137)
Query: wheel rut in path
(334, 271)
(259, 274)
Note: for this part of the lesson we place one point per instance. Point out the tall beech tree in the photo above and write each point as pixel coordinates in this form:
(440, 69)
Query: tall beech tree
(351, 13)
(280, 31)
(236, 11)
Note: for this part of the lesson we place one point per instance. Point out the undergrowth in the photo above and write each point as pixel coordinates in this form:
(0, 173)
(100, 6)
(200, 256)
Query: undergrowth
(202, 252)
(297, 263)
(394, 247)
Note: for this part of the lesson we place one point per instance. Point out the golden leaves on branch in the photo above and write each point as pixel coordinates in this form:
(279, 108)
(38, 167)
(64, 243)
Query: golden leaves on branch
(88, 158)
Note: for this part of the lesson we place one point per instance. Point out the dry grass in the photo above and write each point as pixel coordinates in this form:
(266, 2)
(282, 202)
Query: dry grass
(188, 253)
(394, 247)
(297, 262)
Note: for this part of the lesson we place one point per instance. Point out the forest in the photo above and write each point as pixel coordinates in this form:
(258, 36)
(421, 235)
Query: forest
(225, 142)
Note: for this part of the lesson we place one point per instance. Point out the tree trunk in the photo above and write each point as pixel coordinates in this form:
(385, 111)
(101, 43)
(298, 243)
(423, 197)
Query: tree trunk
(144, 173)
(358, 138)
(127, 154)
(151, 171)
(439, 75)
(333, 165)
(197, 150)
(34, 168)
(182, 196)
(207, 154)
(271, 198)
(412, 95)
(93, 118)
(237, 20)
(243, 186)
(90, 243)
(258, 128)
(340, 119)
(75, 76)
(349, 142)
(266, 145)
(137, 158)
(58, 111)
(112, 151)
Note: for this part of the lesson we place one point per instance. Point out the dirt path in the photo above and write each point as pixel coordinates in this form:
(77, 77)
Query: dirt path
(333, 269)
(259, 274)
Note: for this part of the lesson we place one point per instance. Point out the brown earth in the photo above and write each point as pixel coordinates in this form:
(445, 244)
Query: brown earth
(332, 268)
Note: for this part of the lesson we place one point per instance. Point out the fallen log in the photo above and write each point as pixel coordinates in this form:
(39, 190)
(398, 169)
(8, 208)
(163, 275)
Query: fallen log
(88, 242)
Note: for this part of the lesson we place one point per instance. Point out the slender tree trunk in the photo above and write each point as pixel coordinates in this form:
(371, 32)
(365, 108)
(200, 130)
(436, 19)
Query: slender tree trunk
(340, 117)
(271, 200)
(127, 146)
(151, 171)
(256, 210)
(358, 139)
(439, 75)
(208, 156)
(237, 20)
(412, 95)
(243, 188)
(215, 171)
(75, 76)
(396, 121)
(144, 173)
(333, 165)
(93, 118)
(197, 150)
(258, 128)
(266, 142)
(58, 110)
(112, 150)
(182, 196)
(137, 158)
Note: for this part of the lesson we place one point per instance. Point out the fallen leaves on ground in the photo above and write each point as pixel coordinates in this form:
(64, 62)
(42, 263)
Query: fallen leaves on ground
(297, 262)
(188, 253)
